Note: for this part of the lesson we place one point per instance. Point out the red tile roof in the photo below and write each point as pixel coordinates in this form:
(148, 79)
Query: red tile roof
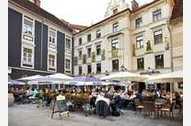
(177, 9)
(36, 9)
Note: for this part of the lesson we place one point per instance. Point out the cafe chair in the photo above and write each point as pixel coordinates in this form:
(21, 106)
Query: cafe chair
(168, 110)
(138, 105)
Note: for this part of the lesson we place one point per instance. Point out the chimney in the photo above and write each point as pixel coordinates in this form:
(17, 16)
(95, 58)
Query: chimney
(134, 4)
(37, 2)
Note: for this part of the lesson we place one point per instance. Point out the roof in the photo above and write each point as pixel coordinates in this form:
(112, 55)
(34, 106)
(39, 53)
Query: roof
(131, 11)
(104, 20)
(36, 9)
(177, 9)
(74, 26)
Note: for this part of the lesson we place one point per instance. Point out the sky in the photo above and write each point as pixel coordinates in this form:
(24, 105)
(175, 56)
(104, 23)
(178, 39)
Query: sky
(82, 12)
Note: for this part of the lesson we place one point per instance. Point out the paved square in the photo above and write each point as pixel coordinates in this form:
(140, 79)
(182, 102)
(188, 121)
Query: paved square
(29, 115)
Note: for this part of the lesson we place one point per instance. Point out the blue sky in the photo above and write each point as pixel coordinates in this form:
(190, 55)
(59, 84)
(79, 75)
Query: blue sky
(83, 12)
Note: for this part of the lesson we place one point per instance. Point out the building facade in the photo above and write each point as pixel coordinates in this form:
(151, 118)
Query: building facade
(136, 39)
(38, 42)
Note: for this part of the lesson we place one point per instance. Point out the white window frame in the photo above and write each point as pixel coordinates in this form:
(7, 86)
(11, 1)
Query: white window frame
(89, 56)
(98, 32)
(51, 44)
(29, 38)
(138, 24)
(55, 62)
(115, 27)
(115, 40)
(80, 57)
(139, 45)
(157, 18)
(69, 38)
(67, 64)
(158, 32)
(22, 57)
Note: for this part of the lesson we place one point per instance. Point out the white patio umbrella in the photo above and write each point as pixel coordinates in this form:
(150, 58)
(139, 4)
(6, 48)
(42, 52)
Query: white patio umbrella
(30, 78)
(52, 79)
(15, 82)
(166, 77)
(60, 76)
(125, 76)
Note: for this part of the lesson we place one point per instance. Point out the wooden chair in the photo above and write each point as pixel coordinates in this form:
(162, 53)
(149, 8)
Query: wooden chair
(168, 110)
(138, 105)
(149, 107)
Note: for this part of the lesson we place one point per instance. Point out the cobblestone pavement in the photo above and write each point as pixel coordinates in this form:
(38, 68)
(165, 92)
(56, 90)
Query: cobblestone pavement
(29, 115)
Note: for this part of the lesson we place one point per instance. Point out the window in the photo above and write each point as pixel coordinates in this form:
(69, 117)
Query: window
(68, 43)
(157, 15)
(98, 68)
(52, 37)
(67, 64)
(27, 56)
(115, 65)
(158, 37)
(115, 44)
(139, 42)
(80, 70)
(28, 26)
(80, 41)
(138, 22)
(159, 61)
(84, 59)
(80, 54)
(98, 50)
(89, 37)
(75, 61)
(51, 61)
(89, 69)
(115, 27)
(89, 52)
(140, 63)
(115, 11)
(98, 33)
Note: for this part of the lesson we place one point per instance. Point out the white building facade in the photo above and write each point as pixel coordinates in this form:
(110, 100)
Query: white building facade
(136, 39)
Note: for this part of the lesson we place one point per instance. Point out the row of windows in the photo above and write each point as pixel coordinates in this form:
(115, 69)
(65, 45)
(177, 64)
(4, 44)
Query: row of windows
(98, 33)
(115, 67)
(114, 46)
(28, 55)
(28, 33)
(157, 15)
(159, 62)
(158, 38)
(138, 23)
(89, 52)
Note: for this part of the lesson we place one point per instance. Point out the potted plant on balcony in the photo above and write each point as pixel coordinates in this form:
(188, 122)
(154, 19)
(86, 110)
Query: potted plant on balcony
(148, 47)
